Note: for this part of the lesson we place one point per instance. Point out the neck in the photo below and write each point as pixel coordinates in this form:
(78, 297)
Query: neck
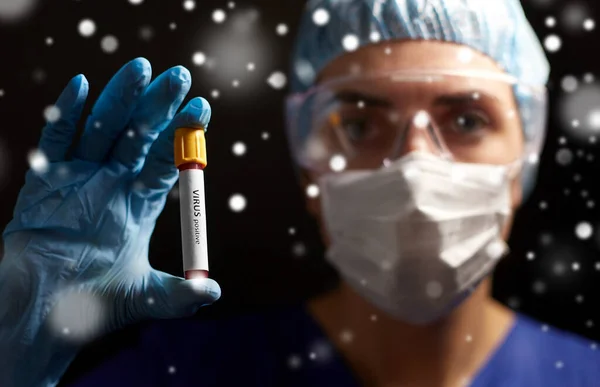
(387, 352)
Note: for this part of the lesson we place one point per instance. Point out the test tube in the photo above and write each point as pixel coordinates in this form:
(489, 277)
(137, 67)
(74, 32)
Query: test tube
(190, 159)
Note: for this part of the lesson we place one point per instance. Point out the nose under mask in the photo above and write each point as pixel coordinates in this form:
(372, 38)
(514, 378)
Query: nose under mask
(414, 237)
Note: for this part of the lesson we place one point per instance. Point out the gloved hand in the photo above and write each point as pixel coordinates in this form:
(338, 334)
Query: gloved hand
(76, 252)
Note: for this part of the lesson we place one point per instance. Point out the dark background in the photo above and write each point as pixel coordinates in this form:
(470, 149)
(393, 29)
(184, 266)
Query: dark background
(253, 254)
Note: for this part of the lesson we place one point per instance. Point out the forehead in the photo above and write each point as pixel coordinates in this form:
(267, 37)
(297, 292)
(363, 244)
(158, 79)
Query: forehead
(408, 55)
(420, 56)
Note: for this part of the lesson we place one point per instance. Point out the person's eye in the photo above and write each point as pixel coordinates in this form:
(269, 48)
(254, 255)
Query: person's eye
(470, 122)
(357, 129)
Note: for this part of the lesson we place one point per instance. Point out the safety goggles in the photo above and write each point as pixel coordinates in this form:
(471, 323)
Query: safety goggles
(367, 121)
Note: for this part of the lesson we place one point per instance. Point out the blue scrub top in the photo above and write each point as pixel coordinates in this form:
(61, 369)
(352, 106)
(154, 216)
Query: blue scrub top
(286, 347)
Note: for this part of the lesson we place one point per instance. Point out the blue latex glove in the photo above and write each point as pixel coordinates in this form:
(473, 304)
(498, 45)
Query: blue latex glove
(76, 252)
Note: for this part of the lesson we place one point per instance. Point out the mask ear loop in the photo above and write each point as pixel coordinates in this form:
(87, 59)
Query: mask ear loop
(422, 121)
(514, 168)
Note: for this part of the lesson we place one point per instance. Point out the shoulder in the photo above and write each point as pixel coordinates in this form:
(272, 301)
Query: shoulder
(540, 354)
(553, 341)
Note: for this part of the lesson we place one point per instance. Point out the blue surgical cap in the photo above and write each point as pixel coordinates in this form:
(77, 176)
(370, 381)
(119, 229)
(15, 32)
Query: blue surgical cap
(496, 28)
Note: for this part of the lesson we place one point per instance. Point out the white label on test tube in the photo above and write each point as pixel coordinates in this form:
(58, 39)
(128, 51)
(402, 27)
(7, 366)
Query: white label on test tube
(193, 220)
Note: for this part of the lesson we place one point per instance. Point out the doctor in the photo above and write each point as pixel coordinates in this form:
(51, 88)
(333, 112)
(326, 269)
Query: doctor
(419, 121)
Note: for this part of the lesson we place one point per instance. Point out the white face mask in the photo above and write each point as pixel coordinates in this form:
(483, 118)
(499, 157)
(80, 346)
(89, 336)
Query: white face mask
(415, 236)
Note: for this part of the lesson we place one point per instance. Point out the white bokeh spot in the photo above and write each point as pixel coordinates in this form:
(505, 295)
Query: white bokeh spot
(312, 190)
(346, 336)
(109, 44)
(350, 42)
(434, 289)
(299, 249)
(564, 156)
(237, 203)
(199, 58)
(321, 351)
(583, 230)
(337, 163)
(305, 71)
(552, 43)
(282, 29)
(465, 55)
(421, 119)
(239, 148)
(277, 80)
(219, 16)
(38, 161)
(594, 119)
(569, 83)
(52, 113)
(294, 362)
(496, 249)
(320, 17)
(189, 5)
(87, 28)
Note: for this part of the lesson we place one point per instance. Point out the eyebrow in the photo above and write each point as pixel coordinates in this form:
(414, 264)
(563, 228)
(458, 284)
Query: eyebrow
(463, 98)
(354, 97)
